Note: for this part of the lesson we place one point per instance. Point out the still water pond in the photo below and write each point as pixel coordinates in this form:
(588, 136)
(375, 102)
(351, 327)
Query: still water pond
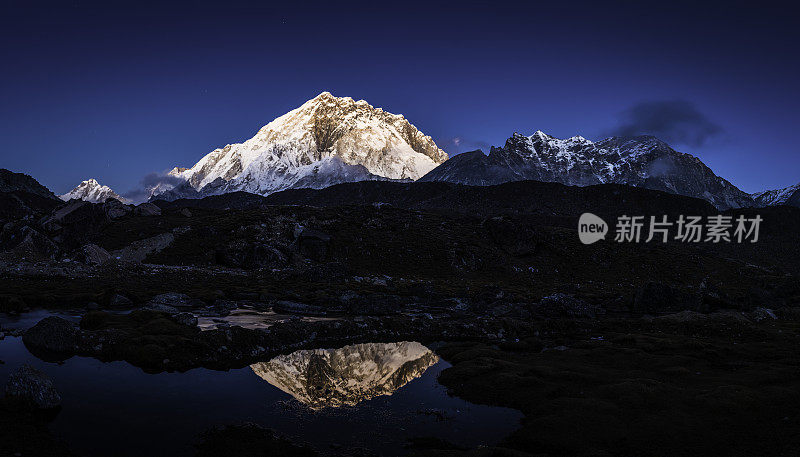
(374, 396)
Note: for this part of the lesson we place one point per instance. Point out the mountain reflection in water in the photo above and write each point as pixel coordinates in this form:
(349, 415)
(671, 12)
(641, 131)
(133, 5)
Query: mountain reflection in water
(323, 378)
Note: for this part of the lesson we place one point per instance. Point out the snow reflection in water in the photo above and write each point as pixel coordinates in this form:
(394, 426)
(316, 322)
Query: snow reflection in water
(385, 393)
(346, 376)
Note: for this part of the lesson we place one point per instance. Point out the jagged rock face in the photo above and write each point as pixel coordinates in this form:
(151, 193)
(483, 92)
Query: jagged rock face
(473, 169)
(346, 376)
(325, 141)
(91, 191)
(642, 161)
(19, 182)
(786, 196)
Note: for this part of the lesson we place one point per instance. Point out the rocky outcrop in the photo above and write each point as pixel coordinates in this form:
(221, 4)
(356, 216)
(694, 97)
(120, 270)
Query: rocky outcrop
(19, 182)
(139, 250)
(94, 254)
(147, 209)
(51, 334)
(187, 319)
(32, 387)
(115, 209)
(34, 245)
(174, 300)
(119, 301)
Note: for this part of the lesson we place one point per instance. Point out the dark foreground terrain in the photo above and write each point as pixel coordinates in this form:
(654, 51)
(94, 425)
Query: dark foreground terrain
(609, 349)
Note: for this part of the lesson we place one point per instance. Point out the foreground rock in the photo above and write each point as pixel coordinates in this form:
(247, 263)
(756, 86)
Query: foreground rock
(175, 300)
(94, 254)
(147, 209)
(118, 301)
(716, 384)
(158, 341)
(32, 387)
(187, 319)
(51, 334)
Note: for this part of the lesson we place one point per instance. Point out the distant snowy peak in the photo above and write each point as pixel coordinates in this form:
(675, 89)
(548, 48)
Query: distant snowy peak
(350, 139)
(91, 191)
(643, 161)
(786, 196)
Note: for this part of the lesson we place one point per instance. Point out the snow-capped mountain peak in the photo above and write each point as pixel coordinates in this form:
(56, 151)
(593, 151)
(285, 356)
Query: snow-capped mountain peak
(367, 142)
(643, 161)
(92, 191)
(786, 196)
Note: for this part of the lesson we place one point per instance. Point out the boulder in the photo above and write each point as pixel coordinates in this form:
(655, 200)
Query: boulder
(70, 211)
(250, 255)
(33, 387)
(120, 301)
(221, 308)
(172, 299)
(160, 307)
(34, 245)
(186, 319)
(147, 209)
(52, 334)
(139, 250)
(115, 209)
(94, 254)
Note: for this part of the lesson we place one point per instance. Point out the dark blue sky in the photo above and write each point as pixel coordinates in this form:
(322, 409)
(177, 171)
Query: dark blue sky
(117, 92)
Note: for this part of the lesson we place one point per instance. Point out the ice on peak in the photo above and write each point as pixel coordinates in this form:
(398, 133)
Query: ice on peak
(580, 139)
(92, 191)
(279, 155)
(323, 94)
(776, 196)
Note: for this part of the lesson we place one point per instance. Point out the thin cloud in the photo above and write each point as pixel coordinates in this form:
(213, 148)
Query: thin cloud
(673, 121)
(149, 182)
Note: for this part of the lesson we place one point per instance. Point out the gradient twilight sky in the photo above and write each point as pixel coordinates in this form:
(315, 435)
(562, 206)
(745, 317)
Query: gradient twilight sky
(117, 90)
